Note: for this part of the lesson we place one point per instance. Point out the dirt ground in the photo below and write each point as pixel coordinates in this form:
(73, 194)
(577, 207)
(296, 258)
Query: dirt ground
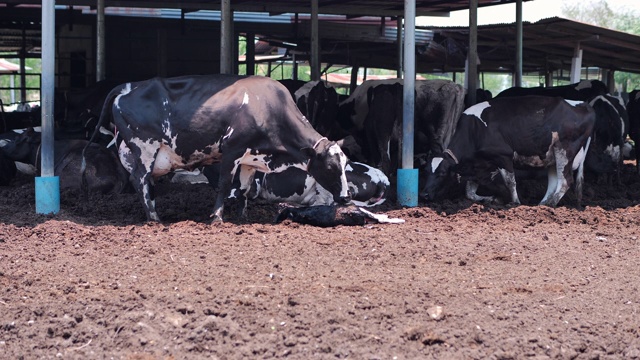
(456, 281)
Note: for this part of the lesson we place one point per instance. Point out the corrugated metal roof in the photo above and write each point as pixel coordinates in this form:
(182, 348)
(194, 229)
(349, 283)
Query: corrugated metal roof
(548, 45)
(338, 7)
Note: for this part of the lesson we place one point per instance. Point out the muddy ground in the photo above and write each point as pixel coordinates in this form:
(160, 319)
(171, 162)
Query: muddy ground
(456, 281)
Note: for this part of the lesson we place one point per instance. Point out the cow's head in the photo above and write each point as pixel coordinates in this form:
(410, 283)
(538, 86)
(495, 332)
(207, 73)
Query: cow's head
(326, 165)
(439, 171)
(22, 147)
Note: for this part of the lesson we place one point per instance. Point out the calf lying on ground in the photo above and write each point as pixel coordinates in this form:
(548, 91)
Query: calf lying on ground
(332, 215)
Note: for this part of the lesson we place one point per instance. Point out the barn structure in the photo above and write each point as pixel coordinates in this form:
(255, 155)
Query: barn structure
(126, 40)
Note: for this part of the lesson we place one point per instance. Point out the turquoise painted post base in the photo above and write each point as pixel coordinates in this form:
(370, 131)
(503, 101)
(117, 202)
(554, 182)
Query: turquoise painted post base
(47, 195)
(408, 187)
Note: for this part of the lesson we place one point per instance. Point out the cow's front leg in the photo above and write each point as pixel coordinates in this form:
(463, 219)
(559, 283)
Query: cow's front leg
(471, 192)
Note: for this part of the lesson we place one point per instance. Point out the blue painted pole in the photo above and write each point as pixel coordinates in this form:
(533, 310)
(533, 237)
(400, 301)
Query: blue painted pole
(47, 185)
(407, 179)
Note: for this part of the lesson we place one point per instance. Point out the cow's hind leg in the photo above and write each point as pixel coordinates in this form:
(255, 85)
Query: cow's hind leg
(143, 183)
(510, 180)
(246, 175)
(552, 184)
(578, 163)
(564, 171)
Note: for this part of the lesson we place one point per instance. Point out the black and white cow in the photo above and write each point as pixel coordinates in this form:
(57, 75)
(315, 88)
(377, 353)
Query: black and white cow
(247, 124)
(495, 137)
(584, 90)
(633, 110)
(368, 186)
(374, 112)
(609, 134)
(105, 173)
(318, 101)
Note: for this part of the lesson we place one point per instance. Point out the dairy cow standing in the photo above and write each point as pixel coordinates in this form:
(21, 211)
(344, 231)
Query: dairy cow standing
(584, 90)
(633, 109)
(247, 124)
(373, 113)
(609, 134)
(495, 137)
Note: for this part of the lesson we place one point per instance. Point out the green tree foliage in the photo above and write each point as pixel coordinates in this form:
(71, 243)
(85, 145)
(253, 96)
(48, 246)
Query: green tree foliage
(32, 80)
(601, 13)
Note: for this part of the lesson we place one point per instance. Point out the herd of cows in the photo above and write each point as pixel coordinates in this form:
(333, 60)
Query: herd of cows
(302, 143)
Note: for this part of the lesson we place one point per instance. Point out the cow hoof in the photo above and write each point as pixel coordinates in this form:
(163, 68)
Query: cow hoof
(215, 219)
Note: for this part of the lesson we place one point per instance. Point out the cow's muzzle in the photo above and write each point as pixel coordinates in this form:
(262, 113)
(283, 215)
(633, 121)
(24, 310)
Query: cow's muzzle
(344, 199)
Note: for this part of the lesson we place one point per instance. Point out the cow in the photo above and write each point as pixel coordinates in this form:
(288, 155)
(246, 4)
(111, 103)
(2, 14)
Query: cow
(319, 103)
(612, 123)
(106, 174)
(584, 90)
(368, 186)
(633, 109)
(438, 105)
(247, 123)
(495, 137)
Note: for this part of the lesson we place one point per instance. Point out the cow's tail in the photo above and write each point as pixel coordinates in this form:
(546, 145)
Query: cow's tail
(104, 116)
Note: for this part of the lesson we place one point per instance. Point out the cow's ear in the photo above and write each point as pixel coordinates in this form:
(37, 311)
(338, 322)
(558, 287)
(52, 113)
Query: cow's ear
(308, 152)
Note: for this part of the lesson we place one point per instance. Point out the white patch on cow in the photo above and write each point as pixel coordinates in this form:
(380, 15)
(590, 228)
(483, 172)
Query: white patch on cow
(228, 134)
(382, 218)
(256, 161)
(606, 100)
(376, 175)
(320, 196)
(25, 168)
(613, 152)
(476, 110)
(35, 128)
(189, 177)
(245, 98)
(233, 194)
(125, 90)
(552, 184)
(580, 156)
(336, 150)
(574, 103)
(124, 153)
(305, 89)
(435, 162)
(4, 143)
(166, 128)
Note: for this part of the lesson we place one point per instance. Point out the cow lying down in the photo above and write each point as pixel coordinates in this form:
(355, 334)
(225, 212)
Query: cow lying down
(368, 186)
(105, 174)
(333, 215)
